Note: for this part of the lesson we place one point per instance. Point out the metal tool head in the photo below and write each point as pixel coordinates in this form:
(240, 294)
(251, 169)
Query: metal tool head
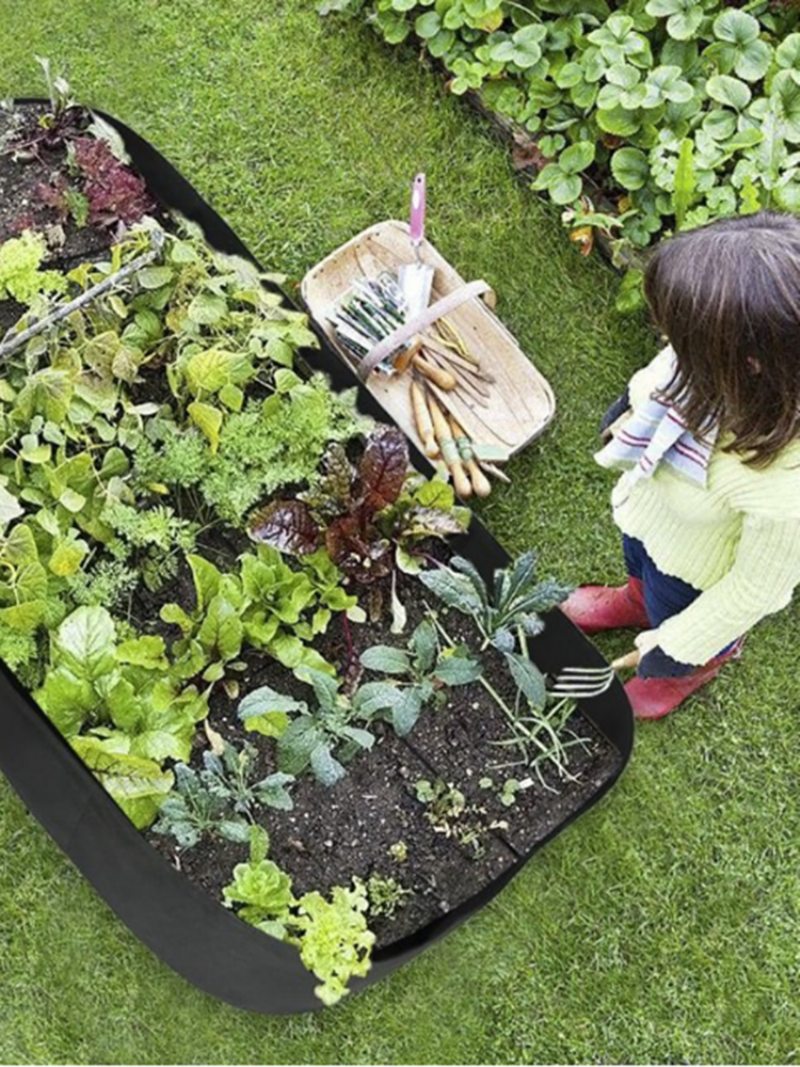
(582, 683)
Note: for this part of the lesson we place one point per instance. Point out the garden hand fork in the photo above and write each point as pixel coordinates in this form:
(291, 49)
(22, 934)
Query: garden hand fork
(585, 683)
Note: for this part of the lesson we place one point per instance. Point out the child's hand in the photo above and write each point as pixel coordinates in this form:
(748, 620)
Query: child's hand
(647, 640)
(644, 643)
(654, 662)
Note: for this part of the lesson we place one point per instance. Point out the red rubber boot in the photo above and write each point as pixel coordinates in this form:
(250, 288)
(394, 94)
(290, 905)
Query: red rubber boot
(594, 608)
(653, 698)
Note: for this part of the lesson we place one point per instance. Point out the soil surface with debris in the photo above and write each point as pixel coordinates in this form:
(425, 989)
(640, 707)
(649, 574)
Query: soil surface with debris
(360, 826)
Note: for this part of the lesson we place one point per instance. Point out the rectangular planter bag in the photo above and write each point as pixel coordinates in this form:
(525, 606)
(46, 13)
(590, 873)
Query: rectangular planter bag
(182, 924)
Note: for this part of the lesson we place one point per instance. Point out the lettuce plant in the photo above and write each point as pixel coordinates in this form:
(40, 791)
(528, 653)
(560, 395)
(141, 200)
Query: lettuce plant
(332, 935)
(260, 891)
(21, 276)
(266, 605)
(334, 940)
(122, 692)
(113, 192)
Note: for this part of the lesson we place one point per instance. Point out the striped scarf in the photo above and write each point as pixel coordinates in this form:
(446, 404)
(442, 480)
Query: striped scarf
(655, 433)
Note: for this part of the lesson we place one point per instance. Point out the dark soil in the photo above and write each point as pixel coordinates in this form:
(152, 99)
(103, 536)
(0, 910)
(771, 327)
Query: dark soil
(335, 833)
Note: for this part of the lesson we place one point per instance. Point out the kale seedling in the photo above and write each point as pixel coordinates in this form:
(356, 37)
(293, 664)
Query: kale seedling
(322, 737)
(429, 671)
(195, 810)
(220, 799)
(505, 615)
(515, 601)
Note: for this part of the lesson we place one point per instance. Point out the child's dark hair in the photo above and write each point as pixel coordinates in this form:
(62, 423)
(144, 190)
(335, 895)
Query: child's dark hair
(727, 297)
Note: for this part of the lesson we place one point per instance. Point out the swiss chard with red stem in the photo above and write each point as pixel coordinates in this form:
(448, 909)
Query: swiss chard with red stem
(360, 513)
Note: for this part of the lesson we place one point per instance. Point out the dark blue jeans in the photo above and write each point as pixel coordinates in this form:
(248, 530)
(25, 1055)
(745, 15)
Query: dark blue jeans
(664, 596)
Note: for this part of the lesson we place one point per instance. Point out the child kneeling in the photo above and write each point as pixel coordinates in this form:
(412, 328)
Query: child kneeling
(708, 435)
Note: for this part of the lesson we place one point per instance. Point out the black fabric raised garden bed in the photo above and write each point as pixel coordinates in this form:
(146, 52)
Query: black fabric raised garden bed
(329, 835)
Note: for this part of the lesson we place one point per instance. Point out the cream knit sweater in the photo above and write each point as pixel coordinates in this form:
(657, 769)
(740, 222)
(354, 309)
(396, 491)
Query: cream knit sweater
(737, 539)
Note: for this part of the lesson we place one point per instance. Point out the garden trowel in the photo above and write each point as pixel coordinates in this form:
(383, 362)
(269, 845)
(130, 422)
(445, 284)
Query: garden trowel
(416, 279)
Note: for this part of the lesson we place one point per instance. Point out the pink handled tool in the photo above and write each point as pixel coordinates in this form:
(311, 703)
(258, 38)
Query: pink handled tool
(417, 221)
(416, 279)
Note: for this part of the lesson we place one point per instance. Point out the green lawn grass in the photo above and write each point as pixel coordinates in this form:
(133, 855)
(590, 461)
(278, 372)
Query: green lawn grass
(664, 925)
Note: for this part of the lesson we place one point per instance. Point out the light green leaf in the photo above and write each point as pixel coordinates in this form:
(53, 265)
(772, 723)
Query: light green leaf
(386, 659)
(428, 25)
(138, 785)
(72, 501)
(85, 641)
(207, 309)
(154, 277)
(685, 181)
(630, 168)
(577, 157)
(728, 90)
(10, 507)
(208, 420)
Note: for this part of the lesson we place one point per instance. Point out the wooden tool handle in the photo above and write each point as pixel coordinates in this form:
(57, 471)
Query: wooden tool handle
(624, 662)
(447, 446)
(481, 485)
(494, 470)
(443, 378)
(422, 417)
(403, 360)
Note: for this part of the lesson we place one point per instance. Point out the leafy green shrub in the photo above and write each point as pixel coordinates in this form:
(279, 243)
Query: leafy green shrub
(266, 605)
(683, 110)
